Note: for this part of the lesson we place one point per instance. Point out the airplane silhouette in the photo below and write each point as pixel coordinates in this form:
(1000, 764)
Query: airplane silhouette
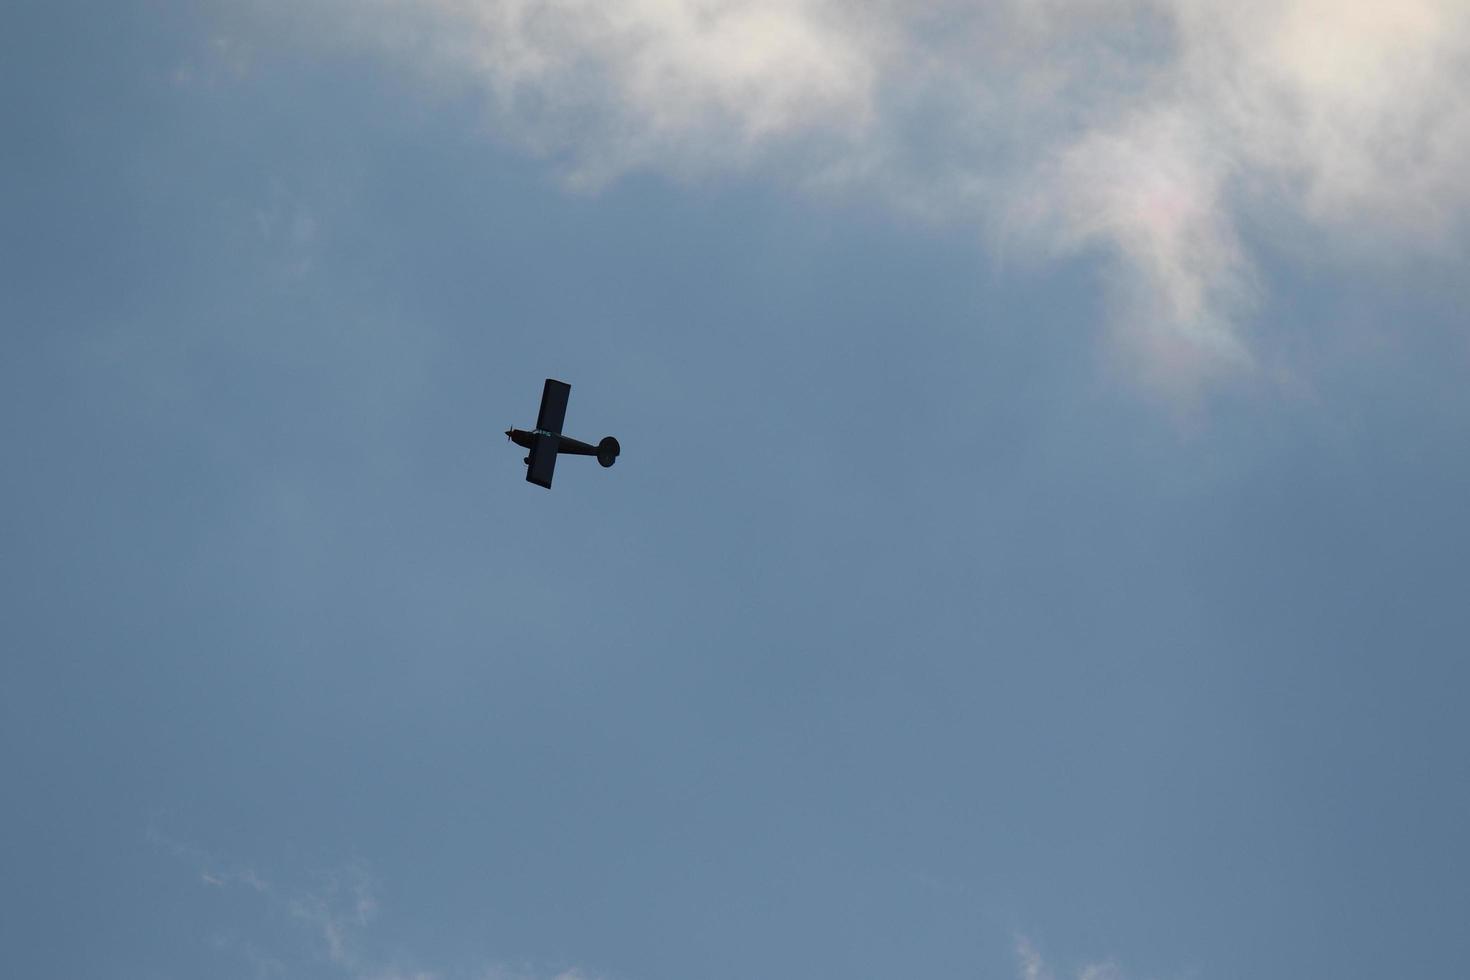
(546, 440)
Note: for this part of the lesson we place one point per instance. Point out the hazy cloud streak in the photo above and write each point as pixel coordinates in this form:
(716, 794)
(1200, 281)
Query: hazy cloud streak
(342, 911)
(1031, 966)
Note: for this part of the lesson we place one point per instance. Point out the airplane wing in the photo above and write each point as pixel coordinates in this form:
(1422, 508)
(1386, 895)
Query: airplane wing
(553, 409)
(543, 454)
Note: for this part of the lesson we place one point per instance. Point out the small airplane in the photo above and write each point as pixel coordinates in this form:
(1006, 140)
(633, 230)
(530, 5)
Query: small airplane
(546, 440)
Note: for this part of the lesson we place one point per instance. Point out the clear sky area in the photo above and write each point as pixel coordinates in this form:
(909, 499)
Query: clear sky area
(1039, 550)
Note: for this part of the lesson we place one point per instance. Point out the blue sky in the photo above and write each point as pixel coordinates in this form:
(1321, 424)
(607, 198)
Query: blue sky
(1038, 550)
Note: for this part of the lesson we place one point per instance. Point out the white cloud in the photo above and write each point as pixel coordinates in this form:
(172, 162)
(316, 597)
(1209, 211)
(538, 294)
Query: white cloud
(670, 85)
(342, 912)
(1030, 961)
(1158, 136)
(1032, 967)
(341, 906)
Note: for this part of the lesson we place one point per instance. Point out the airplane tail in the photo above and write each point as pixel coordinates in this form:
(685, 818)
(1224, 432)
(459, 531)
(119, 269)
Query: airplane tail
(607, 451)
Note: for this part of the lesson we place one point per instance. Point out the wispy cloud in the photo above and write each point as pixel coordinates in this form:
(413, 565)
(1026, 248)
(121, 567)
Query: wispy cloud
(212, 870)
(1032, 967)
(1158, 137)
(340, 912)
(340, 908)
(288, 230)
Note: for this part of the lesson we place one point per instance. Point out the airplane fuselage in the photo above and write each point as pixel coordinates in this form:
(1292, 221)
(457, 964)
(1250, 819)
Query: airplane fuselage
(526, 438)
